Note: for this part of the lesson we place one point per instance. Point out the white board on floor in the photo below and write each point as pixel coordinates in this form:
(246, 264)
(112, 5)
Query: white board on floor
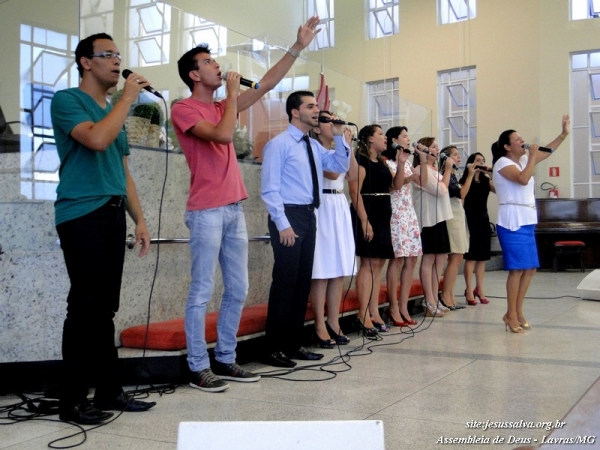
(330, 435)
(589, 288)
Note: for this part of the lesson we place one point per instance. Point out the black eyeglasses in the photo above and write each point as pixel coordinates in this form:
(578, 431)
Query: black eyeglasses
(106, 55)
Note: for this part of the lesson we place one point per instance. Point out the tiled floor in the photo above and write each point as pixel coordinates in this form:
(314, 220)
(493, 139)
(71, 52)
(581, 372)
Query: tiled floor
(423, 386)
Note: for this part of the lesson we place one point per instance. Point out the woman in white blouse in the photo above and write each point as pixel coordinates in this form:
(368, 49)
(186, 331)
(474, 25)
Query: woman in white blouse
(432, 206)
(517, 216)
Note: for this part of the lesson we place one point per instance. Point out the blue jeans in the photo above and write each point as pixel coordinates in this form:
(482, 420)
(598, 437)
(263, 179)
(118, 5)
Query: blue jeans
(217, 234)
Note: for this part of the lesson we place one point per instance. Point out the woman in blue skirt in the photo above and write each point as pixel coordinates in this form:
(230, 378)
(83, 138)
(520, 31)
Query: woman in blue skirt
(517, 215)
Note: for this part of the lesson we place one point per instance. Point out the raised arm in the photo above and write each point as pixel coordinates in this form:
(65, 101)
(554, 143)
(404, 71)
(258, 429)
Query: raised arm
(566, 129)
(274, 75)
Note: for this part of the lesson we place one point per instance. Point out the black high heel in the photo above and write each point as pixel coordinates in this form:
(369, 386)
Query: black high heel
(367, 332)
(338, 338)
(324, 343)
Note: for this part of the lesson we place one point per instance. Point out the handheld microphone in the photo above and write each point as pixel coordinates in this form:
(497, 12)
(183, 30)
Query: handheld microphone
(243, 81)
(542, 149)
(484, 168)
(150, 89)
(416, 147)
(323, 119)
(444, 157)
(396, 146)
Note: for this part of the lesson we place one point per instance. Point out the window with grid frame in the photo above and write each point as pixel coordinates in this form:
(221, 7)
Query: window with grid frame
(585, 123)
(326, 37)
(384, 102)
(383, 18)
(96, 16)
(47, 66)
(452, 11)
(585, 9)
(149, 33)
(457, 106)
(197, 30)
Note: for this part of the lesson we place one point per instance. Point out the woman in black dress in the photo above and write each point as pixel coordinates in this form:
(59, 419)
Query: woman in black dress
(478, 222)
(371, 211)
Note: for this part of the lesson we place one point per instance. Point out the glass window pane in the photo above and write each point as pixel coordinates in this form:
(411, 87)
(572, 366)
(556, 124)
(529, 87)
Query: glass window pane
(595, 59)
(579, 61)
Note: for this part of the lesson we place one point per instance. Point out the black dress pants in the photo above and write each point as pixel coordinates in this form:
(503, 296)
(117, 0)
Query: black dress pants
(292, 276)
(94, 251)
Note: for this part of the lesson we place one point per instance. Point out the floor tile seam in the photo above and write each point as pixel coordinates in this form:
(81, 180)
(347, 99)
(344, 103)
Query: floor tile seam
(554, 327)
(418, 390)
(137, 438)
(516, 359)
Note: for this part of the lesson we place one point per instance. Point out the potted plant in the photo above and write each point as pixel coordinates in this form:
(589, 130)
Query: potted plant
(152, 112)
(242, 143)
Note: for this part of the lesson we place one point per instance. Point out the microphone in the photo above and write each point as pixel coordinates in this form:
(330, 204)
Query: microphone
(484, 168)
(150, 89)
(444, 157)
(416, 147)
(243, 81)
(323, 119)
(396, 146)
(542, 149)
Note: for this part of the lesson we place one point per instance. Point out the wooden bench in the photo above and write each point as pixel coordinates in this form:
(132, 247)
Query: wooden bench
(170, 335)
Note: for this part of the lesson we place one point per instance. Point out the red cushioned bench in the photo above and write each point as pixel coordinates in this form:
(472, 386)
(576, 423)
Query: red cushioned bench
(170, 334)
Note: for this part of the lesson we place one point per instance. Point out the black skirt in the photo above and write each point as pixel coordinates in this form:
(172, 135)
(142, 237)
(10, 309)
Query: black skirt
(434, 240)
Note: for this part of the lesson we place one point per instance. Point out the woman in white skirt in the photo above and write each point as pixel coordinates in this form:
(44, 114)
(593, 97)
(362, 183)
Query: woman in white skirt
(334, 248)
(457, 227)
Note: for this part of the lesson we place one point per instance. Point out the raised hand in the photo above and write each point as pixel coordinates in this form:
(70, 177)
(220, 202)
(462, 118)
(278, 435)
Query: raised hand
(307, 32)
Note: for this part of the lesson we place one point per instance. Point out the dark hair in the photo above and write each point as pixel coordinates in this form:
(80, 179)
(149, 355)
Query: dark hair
(187, 63)
(390, 134)
(362, 148)
(444, 154)
(311, 132)
(498, 150)
(470, 160)
(425, 141)
(294, 101)
(85, 48)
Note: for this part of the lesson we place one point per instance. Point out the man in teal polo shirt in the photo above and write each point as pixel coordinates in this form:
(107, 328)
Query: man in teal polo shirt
(94, 190)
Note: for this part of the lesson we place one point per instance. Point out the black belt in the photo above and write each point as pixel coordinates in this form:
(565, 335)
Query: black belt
(117, 201)
(332, 191)
(308, 207)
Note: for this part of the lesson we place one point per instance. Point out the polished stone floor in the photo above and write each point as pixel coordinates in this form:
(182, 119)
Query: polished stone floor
(424, 386)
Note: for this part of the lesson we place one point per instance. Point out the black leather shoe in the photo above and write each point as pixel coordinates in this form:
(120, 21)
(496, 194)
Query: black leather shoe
(84, 414)
(304, 355)
(122, 403)
(278, 359)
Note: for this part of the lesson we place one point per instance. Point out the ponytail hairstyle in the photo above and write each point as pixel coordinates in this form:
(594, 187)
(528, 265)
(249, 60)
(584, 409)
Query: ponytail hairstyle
(426, 142)
(392, 133)
(498, 150)
(362, 147)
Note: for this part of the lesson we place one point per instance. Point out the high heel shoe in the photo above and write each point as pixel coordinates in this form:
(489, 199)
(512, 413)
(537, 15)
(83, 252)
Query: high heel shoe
(324, 343)
(432, 310)
(469, 301)
(507, 326)
(339, 339)
(483, 300)
(381, 327)
(443, 303)
(368, 332)
(525, 326)
(394, 321)
(409, 322)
